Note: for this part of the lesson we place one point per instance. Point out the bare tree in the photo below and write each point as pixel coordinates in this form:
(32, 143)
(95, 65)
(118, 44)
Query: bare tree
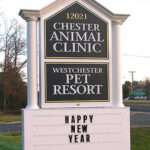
(12, 46)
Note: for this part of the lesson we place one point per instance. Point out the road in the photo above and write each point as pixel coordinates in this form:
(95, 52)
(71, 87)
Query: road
(12, 127)
(140, 117)
(140, 108)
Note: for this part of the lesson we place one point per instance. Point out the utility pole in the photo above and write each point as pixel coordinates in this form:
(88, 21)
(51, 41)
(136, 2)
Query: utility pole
(132, 78)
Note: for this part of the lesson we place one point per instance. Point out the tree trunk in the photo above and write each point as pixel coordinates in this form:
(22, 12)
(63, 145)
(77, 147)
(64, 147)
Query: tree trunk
(4, 104)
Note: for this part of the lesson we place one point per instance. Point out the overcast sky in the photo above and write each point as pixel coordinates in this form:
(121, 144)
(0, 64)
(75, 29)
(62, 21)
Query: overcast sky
(135, 31)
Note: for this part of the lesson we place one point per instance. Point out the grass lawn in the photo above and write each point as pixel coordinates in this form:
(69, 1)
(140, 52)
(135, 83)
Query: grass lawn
(140, 139)
(10, 141)
(6, 118)
(137, 102)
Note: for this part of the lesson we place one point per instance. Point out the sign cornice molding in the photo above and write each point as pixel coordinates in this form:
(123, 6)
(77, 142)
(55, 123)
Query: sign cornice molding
(30, 15)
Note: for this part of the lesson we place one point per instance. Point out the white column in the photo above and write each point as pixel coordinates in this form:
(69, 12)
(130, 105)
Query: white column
(117, 98)
(32, 102)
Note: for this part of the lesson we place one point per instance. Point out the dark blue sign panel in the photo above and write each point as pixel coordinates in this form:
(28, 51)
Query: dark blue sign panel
(76, 32)
(76, 82)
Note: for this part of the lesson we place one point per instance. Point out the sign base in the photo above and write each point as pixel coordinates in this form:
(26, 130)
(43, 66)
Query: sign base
(76, 129)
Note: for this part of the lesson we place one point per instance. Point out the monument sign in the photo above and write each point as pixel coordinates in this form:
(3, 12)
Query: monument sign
(76, 46)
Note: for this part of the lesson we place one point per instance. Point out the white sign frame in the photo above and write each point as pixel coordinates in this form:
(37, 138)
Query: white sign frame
(43, 60)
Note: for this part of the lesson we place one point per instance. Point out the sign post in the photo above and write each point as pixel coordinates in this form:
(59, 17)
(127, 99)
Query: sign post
(32, 102)
(80, 104)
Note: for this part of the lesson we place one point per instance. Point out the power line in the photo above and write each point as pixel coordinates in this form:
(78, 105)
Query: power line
(138, 56)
